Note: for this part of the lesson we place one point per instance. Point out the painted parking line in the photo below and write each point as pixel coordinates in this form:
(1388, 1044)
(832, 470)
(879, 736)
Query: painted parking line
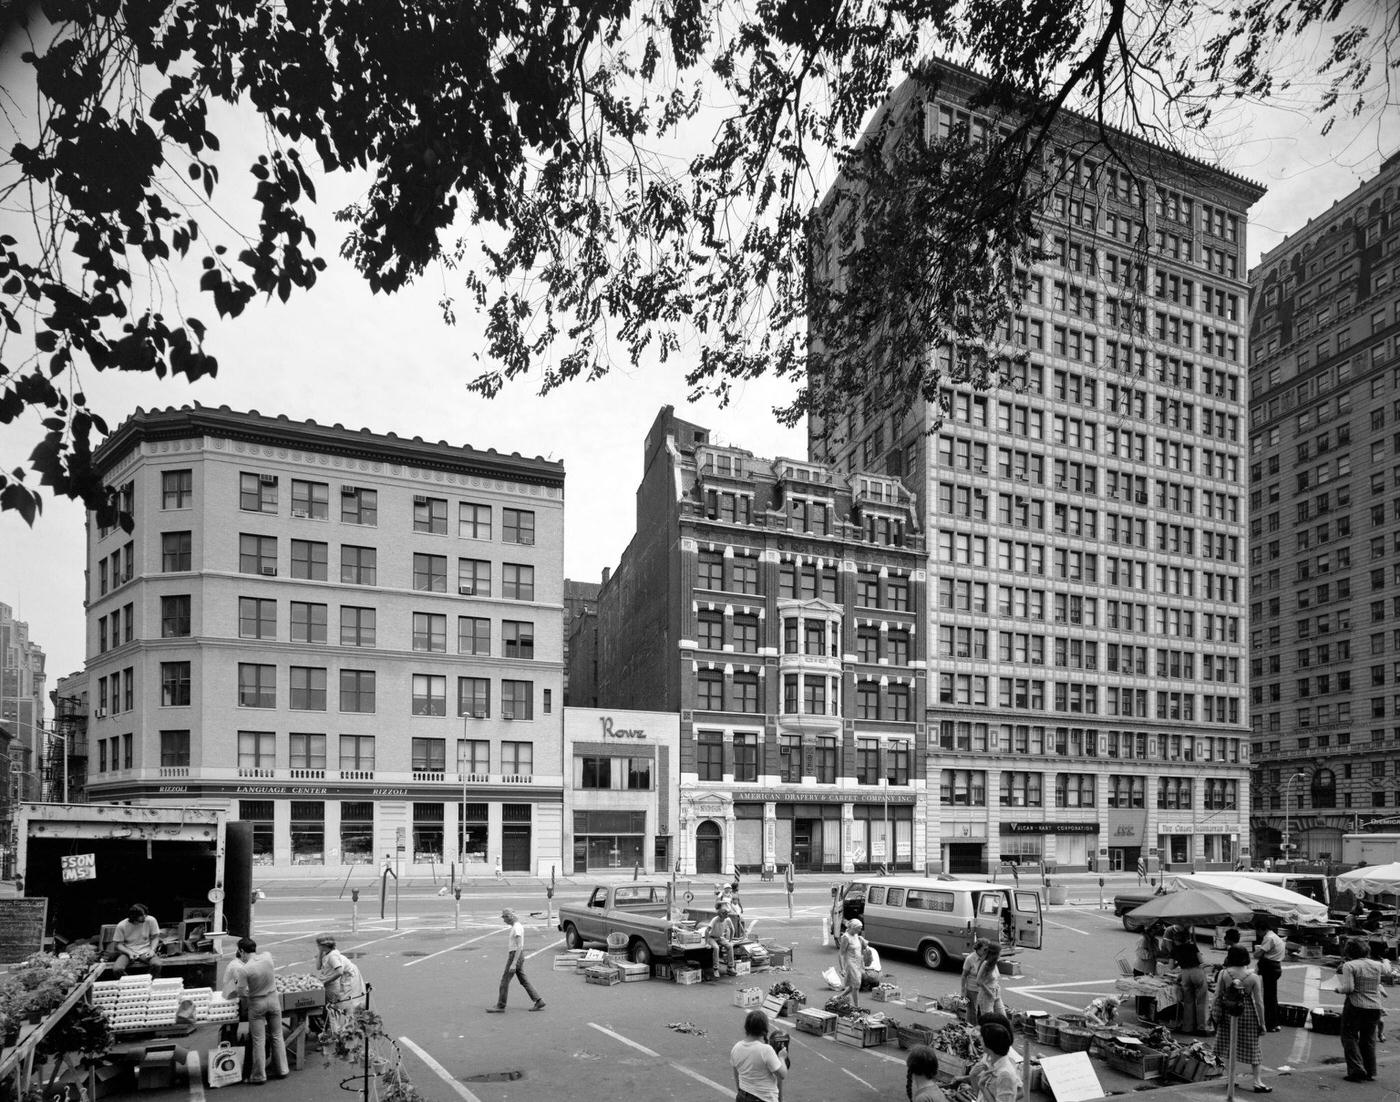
(726, 1091)
(460, 945)
(858, 1079)
(1302, 1038)
(440, 1071)
(551, 945)
(194, 1075)
(1066, 926)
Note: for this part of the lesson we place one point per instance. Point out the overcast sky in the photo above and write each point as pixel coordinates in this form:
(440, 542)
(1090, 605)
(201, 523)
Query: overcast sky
(340, 354)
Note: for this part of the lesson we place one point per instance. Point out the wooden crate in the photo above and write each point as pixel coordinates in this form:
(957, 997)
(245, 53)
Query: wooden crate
(921, 1003)
(1138, 1065)
(816, 1021)
(633, 973)
(602, 976)
(860, 1034)
(660, 971)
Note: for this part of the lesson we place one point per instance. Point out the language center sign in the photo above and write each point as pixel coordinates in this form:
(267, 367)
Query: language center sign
(78, 866)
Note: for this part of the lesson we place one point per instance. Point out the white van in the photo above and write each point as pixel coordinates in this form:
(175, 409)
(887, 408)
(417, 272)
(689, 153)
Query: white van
(1314, 885)
(937, 918)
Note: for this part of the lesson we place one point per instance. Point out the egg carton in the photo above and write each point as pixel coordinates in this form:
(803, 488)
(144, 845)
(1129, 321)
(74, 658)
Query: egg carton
(103, 986)
(199, 992)
(143, 980)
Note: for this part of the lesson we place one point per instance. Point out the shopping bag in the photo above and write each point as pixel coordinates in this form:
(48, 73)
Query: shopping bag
(833, 979)
(225, 1065)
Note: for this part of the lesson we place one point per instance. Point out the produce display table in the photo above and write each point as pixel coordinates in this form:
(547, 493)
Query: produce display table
(1152, 996)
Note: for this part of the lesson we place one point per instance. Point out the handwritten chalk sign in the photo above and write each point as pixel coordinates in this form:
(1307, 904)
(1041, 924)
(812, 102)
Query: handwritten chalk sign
(78, 866)
(21, 928)
(1071, 1077)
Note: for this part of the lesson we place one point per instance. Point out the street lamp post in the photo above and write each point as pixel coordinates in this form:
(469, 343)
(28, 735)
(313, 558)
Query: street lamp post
(1288, 785)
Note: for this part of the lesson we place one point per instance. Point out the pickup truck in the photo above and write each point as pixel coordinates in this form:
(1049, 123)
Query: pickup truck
(636, 909)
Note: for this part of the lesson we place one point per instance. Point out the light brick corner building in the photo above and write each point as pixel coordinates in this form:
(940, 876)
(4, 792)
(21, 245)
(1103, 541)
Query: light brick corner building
(351, 640)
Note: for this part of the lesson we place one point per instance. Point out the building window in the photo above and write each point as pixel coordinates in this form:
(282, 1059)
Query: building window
(1127, 791)
(176, 489)
(306, 752)
(473, 757)
(474, 833)
(429, 695)
(174, 551)
(473, 521)
(867, 762)
(357, 626)
(548, 696)
(430, 573)
(359, 565)
(746, 634)
(710, 630)
(257, 750)
(174, 749)
(474, 697)
(517, 759)
(357, 832)
(639, 774)
(790, 759)
(1021, 790)
(596, 772)
(517, 699)
(308, 622)
(311, 499)
(867, 700)
(963, 788)
(517, 582)
(745, 692)
(745, 574)
(308, 832)
(308, 688)
(430, 515)
(518, 639)
(518, 526)
(257, 685)
(257, 493)
(430, 632)
(897, 763)
(359, 506)
(825, 760)
(473, 635)
(429, 755)
(357, 690)
(309, 560)
(746, 758)
(710, 571)
(257, 618)
(473, 577)
(814, 699)
(709, 757)
(174, 684)
(357, 753)
(174, 617)
(1074, 790)
(898, 697)
(709, 690)
(257, 554)
(427, 833)
(258, 814)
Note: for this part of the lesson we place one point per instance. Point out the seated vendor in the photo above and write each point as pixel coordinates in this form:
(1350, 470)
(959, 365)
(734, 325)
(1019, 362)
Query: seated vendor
(135, 941)
(725, 930)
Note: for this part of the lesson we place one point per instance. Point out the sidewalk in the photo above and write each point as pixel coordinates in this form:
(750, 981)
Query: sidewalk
(1306, 1084)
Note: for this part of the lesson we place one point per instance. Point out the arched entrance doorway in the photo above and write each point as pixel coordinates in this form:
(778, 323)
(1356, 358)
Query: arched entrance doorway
(709, 848)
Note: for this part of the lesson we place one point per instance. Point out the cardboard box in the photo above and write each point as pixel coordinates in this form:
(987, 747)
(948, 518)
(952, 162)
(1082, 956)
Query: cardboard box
(748, 997)
(816, 1021)
(780, 956)
(921, 1003)
(156, 1070)
(887, 993)
(303, 1000)
(741, 968)
(686, 975)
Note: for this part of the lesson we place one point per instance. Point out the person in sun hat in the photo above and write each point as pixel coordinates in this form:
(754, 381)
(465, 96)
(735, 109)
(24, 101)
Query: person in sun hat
(345, 987)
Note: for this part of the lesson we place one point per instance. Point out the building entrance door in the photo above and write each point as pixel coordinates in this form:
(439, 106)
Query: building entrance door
(709, 849)
(802, 844)
(515, 847)
(966, 858)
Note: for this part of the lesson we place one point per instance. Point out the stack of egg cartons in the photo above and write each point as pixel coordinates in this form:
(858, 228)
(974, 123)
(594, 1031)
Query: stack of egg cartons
(104, 997)
(133, 997)
(200, 996)
(221, 1009)
(165, 1002)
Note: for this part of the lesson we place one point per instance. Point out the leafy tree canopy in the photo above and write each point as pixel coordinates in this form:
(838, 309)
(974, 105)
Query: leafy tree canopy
(645, 176)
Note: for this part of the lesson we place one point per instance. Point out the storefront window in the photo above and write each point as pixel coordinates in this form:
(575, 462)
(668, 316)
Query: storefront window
(308, 832)
(259, 814)
(357, 833)
(474, 834)
(427, 833)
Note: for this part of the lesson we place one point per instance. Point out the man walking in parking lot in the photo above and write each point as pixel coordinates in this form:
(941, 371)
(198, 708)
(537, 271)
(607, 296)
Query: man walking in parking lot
(515, 965)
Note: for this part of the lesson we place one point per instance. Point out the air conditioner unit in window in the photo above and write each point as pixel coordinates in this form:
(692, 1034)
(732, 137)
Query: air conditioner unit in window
(507, 713)
(419, 499)
(270, 571)
(349, 491)
(1142, 499)
(302, 513)
(268, 479)
(784, 751)
(467, 590)
(479, 715)
(101, 713)
(528, 540)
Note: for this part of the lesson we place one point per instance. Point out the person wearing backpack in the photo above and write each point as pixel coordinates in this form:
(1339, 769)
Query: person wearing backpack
(1239, 1001)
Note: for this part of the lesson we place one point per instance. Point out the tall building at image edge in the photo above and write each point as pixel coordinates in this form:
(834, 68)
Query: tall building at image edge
(351, 640)
(1085, 525)
(1324, 467)
(775, 605)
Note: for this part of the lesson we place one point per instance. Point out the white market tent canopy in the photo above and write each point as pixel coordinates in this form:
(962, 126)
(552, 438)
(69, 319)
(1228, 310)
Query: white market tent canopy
(1259, 894)
(1371, 879)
